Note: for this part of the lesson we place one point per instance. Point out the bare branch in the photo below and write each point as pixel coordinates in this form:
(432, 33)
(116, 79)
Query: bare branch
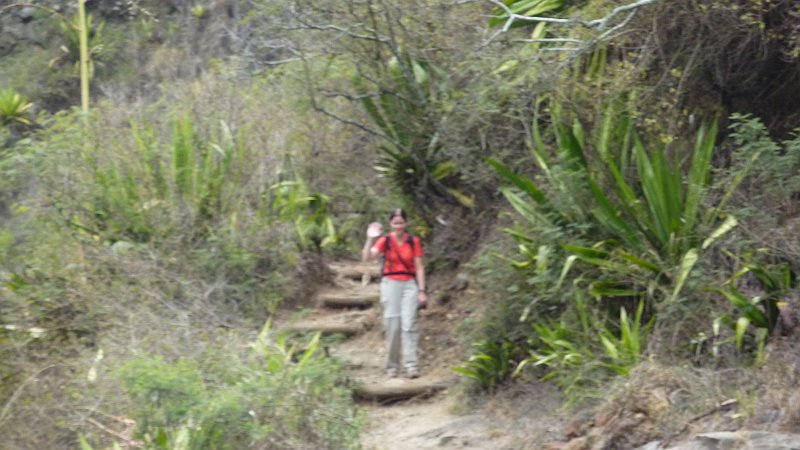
(44, 8)
(124, 435)
(307, 24)
(18, 392)
(564, 40)
(600, 24)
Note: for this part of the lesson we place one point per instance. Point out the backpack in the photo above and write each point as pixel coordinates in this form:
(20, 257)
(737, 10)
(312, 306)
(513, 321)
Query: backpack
(383, 258)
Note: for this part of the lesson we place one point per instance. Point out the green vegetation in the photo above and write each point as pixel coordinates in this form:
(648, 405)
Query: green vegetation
(14, 108)
(644, 169)
(412, 158)
(268, 399)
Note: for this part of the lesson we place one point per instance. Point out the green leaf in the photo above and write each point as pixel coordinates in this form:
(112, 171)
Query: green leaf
(568, 262)
(603, 291)
(643, 263)
(161, 439)
(523, 183)
(587, 252)
(608, 215)
(699, 174)
(729, 224)
(745, 306)
(610, 348)
(309, 352)
(658, 185)
(687, 263)
(741, 328)
(525, 8)
(84, 444)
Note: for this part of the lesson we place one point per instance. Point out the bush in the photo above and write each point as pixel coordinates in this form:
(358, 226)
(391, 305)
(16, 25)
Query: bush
(278, 398)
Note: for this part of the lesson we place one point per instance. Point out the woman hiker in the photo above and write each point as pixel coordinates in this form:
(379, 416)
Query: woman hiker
(403, 289)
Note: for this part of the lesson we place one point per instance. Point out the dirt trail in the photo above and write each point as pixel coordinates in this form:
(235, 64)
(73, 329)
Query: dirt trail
(419, 414)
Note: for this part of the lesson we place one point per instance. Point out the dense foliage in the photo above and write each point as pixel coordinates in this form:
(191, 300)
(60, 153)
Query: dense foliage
(641, 163)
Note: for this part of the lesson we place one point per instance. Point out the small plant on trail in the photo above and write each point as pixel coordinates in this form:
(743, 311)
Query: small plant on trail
(490, 364)
(579, 352)
(761, 311)
(14, 108)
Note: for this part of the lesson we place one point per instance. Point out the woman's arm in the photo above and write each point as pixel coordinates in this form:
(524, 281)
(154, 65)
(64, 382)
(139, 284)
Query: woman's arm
(422, 295)
(368, 253)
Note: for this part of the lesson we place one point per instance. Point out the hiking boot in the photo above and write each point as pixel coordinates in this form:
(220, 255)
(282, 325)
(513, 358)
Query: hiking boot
(413, 373)
(391, 373)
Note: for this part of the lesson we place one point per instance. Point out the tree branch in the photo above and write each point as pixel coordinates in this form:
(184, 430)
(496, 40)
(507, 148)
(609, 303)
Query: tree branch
(44, 8)
(600, 24)
(308, 25)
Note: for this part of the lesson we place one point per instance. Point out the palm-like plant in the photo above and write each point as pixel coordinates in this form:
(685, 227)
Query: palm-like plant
(411, 153)
(642, 214)
(568, 349)
(14, 108)
(71, 50)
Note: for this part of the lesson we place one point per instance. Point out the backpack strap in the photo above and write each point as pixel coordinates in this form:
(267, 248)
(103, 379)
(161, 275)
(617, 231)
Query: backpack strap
(386, 251)
(410, 241)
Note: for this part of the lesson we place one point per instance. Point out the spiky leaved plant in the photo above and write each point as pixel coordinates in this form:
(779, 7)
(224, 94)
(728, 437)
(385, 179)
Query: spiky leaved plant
(14, 108)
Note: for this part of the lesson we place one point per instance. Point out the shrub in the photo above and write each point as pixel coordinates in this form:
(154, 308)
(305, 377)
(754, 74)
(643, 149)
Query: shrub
(278, 398)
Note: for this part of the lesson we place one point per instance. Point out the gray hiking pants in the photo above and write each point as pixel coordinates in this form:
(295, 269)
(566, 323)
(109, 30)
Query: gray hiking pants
(399, 303)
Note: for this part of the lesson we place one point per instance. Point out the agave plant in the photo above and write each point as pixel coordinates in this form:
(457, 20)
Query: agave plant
(411, 153)
(642, 213)
(71, 50)
(14, 108)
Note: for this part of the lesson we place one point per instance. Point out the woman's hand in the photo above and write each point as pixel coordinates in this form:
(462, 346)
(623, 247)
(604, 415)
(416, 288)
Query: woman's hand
(375, 229)
(422, 300)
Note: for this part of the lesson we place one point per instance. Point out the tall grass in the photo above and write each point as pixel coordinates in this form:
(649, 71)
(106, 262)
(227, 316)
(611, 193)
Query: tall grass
(147, 193)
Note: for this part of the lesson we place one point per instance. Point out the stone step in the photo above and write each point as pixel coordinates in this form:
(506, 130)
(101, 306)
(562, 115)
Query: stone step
(347, 324)
(398, 389)
(364, 297)
(327, 329)
(357, 270)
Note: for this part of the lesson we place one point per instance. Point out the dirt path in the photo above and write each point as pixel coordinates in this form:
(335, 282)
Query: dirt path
(419, 414)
